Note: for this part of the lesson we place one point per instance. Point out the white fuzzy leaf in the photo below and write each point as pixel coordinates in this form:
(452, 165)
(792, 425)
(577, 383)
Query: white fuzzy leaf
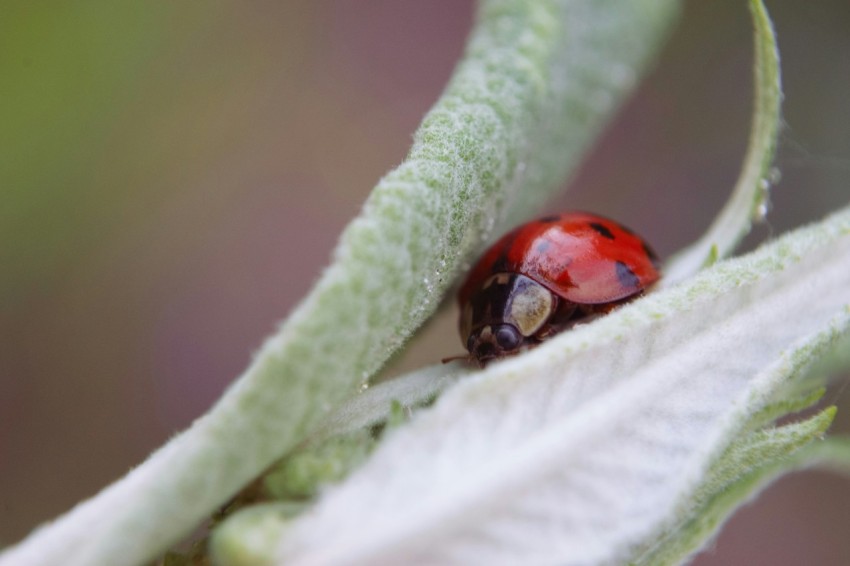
(747, 466)
(577, 452)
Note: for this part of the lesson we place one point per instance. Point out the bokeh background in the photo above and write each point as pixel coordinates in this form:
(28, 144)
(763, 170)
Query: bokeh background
(173, 178)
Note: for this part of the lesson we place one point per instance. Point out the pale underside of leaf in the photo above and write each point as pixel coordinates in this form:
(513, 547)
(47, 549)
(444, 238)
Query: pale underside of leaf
(580, 450)
(778, 451)
(756, 455)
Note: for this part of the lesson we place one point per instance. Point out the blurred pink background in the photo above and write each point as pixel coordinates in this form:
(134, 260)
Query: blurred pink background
(173, 179)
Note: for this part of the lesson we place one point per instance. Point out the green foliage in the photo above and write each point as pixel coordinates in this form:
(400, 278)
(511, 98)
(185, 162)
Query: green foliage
(301, 475)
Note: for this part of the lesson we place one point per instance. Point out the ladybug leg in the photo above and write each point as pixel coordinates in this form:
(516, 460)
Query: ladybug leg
(546, 331)
(466, 357)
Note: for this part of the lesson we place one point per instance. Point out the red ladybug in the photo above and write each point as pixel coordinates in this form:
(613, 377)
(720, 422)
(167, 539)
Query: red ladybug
(545, 276)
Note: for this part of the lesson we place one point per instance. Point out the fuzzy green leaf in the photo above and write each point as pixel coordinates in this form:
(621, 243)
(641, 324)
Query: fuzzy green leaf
(243, 542)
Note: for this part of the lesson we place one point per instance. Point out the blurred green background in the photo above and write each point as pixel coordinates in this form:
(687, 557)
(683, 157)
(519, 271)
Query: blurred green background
(173, 177)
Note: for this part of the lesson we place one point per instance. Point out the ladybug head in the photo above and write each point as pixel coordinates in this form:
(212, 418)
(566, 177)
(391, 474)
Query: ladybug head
(494, 341)
(504, 315)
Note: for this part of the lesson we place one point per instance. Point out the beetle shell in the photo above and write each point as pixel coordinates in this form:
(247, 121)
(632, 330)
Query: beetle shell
(572, 265)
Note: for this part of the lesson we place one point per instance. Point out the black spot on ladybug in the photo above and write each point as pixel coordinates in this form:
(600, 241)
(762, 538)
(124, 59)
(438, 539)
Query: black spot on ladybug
(542, 245)
(550, 219)
(602, 230)
(626, 276)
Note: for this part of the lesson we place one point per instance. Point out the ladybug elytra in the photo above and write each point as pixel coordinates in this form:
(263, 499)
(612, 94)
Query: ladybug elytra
(545, 276)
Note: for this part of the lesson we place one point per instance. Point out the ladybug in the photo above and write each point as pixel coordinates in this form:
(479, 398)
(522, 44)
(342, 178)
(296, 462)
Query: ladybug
(545, 276)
